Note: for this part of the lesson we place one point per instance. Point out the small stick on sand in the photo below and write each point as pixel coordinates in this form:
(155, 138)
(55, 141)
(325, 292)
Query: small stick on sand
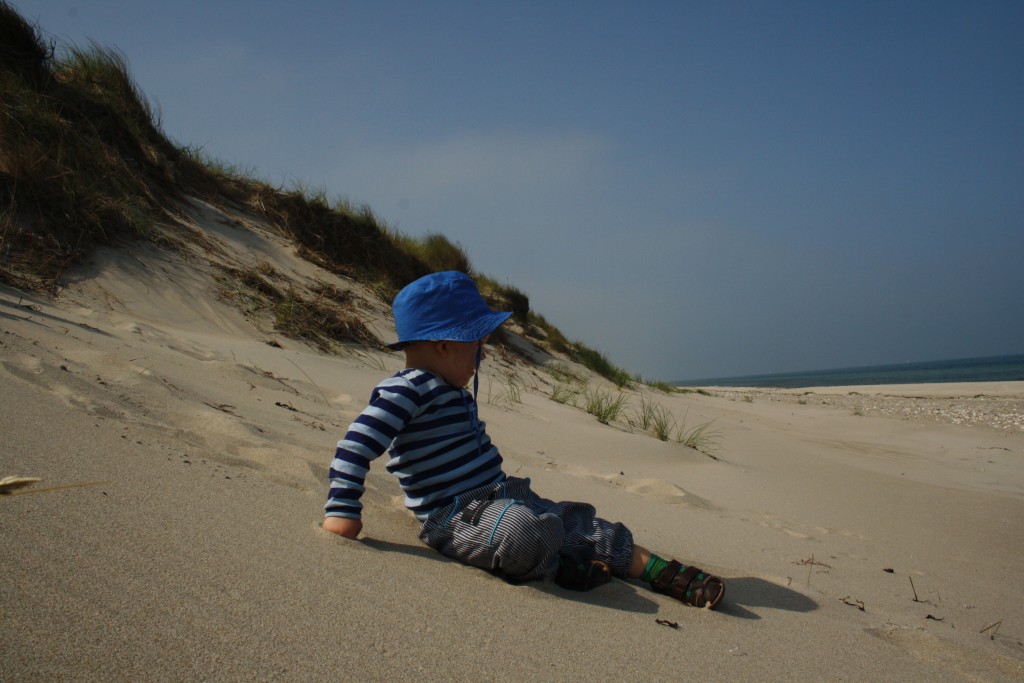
(811, 564)
(859, 604)
(923, 602)
(996, 625)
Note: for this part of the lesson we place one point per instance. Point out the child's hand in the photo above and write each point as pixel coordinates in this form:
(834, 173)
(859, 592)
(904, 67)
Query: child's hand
(343, 526)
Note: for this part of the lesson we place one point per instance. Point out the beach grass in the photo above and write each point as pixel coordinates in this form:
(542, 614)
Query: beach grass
(325, 319)
(509, 393)
(700, 437)
(662, 423)
(567, 393)
(604, 405)
(659, 421)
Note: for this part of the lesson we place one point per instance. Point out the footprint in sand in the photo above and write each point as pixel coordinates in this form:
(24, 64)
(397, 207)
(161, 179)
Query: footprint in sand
(775, 522)
(664, 492)
(656, 490)
(71, 389)
(970, 663)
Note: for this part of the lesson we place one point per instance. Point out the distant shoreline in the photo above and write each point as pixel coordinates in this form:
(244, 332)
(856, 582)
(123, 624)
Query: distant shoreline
(960, 370)
(997, 405)
(1012, 389)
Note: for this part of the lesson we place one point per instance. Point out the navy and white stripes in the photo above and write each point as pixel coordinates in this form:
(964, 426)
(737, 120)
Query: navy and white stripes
(438, 448)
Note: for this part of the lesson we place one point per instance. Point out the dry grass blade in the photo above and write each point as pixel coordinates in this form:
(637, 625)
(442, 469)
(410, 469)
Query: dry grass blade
(859, 604)
(996, 626)
(315, 385)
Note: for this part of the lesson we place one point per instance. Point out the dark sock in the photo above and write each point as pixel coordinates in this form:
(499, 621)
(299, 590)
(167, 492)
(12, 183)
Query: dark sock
(653, 568)
(582, 575)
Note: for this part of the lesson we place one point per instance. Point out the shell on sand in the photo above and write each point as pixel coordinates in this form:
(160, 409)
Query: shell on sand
(8, 484)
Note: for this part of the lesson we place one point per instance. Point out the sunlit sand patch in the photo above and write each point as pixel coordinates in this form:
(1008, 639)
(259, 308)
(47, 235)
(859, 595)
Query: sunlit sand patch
(971, 663)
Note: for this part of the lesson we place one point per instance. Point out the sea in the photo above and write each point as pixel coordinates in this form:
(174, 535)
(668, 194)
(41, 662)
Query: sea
(992, 369)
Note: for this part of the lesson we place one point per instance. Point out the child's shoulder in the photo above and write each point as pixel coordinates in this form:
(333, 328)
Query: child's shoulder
(411, 377)
(417, 391)
(419, 381)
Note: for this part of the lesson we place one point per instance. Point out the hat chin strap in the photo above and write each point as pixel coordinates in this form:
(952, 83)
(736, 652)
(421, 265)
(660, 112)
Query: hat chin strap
(476, 391)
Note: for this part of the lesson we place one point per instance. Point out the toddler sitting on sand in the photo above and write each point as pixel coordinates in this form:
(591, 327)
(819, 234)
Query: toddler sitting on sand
(451, 473)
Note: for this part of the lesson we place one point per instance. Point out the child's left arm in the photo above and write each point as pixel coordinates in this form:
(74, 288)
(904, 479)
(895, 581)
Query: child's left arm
(368, 436)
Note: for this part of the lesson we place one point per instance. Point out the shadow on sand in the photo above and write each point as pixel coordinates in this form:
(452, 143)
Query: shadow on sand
(749, 592)
(743, 594)
(618, 595)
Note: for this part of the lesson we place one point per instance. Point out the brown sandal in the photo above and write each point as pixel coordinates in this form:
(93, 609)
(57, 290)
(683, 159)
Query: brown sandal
(690, 586)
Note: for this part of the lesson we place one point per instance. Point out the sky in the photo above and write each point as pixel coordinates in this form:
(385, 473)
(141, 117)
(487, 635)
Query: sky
(695, 189)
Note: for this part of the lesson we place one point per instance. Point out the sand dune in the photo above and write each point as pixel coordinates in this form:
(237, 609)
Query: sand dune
(183, 446)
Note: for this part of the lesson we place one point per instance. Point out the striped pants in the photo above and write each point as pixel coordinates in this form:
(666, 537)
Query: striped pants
(507, 528)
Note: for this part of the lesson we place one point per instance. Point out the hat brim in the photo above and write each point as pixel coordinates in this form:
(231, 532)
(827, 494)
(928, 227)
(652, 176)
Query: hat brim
(467, 332)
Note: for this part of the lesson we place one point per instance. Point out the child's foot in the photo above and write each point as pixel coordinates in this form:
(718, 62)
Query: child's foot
(691, 586)
(582, 575)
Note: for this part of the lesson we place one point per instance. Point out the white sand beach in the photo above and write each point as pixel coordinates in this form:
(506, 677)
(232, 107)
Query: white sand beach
(864, 533)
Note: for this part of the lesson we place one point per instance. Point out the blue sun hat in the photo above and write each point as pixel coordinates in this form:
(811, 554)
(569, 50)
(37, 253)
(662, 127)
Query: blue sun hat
(443, 307)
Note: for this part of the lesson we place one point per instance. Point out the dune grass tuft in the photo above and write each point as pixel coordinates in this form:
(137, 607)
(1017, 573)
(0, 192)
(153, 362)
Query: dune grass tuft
(326, 320)
(604, 405)
(567, 393)
(700, 437)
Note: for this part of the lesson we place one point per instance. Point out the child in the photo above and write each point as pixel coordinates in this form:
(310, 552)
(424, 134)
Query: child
(451, 473)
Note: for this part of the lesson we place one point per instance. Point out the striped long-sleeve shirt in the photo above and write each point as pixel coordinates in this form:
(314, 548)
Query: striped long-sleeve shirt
(438, 447)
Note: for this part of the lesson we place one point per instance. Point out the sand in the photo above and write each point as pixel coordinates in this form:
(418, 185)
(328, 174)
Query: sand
(175, 533)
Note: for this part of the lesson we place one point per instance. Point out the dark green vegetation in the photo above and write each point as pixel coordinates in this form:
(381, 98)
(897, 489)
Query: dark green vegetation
(84, 162)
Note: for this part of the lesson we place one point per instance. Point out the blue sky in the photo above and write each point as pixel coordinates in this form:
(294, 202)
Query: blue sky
(695, 189)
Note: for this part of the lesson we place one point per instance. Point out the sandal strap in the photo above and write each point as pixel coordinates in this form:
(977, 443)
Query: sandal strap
(690, 585)
(665, 577)
(687, 576)
(682, 583)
